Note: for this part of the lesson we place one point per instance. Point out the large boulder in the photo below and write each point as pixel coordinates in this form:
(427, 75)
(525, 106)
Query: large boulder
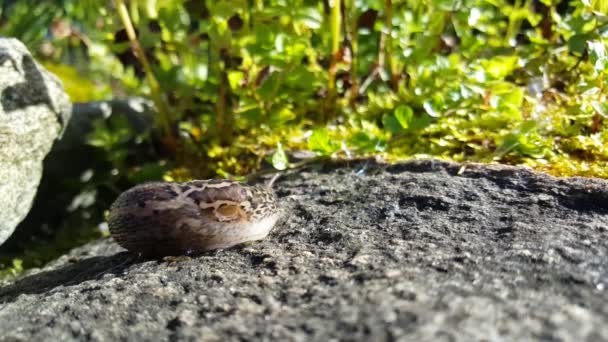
(421, 251)
(34, 109)
(71, 159)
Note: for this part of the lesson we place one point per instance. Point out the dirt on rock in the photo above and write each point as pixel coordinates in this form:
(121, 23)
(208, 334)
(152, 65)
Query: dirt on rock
(420, 251)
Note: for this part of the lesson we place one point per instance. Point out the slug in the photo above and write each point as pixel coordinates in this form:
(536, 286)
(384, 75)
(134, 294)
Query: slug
(170, 219)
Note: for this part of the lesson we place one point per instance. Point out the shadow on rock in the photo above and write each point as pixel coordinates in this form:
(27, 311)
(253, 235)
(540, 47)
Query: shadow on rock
(83, 270)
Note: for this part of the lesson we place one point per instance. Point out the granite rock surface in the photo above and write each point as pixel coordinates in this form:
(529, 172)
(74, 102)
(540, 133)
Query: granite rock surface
(420, 251)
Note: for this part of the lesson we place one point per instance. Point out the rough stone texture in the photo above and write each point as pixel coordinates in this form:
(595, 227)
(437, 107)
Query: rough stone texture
(33, 111)
(69, 160)
(421, 251)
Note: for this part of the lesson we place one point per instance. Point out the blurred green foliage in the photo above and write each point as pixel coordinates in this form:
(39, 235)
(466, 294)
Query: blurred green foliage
(248, 81)
(511, 81)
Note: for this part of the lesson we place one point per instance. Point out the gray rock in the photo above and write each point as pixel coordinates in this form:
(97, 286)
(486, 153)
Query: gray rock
(69, 162)
(34, 110)
(420, 251)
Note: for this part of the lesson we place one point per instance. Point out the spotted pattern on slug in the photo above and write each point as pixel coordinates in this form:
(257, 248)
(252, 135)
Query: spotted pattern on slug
(160, 219)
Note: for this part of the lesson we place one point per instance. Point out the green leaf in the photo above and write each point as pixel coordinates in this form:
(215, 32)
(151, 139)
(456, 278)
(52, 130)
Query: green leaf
(235, 78)
(447, 5)
(499, 67)
(367, 143)
(597, 55)
(301, 78)
(421, 121)
(524, 140)
(578, 42)
(404, 115)
(390, 122)
(506, 96)
(321, 142)
(251, 114)
(147, 172)
(600, 108)
(279, 158)
(310, 17)
(281, 116)
(270, 86)
(599, 6)
(429, 108)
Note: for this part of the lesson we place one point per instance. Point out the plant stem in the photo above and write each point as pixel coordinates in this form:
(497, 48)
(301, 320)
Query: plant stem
(224, 128)
(388, 46)
(515, 21)
(291, 166)
(155, 93)
(353, 30)
(335, 47)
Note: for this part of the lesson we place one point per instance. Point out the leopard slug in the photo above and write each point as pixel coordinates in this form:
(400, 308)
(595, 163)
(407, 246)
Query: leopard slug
(169, 219)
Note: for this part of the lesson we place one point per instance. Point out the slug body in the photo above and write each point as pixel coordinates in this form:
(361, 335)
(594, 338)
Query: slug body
(163, 219)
